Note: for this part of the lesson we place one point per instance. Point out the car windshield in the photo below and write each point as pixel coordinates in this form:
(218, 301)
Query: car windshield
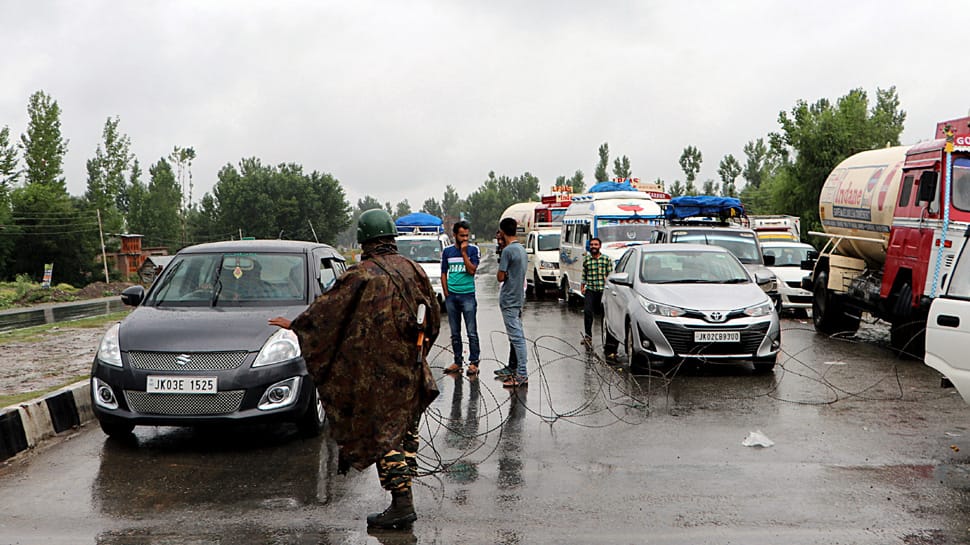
(787, 256)
(625, 232)
(691, 267)
(232, 279)
(420, 250)
(548, 242)
(741, 244)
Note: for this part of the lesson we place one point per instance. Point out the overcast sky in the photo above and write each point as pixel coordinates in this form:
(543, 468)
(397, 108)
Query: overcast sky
(397, 99)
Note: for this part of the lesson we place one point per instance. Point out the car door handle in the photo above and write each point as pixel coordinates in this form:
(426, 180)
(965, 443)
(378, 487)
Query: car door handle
(946, 320)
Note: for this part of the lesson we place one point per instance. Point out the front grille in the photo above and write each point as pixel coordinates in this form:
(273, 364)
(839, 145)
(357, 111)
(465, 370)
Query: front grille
(184, 404)
(681, 339)
(795, 284)
(186, 361)
(800, 299)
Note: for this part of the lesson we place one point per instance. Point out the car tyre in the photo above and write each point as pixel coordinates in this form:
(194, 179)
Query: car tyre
(765, 365)
(638, 362)
(116, 429)
(312, 421)
(538, 290)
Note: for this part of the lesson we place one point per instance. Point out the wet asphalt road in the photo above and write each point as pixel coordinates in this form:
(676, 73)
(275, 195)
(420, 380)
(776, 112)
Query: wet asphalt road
(868, 449)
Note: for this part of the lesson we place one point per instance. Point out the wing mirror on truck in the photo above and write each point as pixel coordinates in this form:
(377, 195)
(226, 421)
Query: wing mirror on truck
(809, 263)
(927, 186)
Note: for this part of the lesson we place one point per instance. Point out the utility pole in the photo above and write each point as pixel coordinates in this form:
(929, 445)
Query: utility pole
(104, 257)
(312, 230)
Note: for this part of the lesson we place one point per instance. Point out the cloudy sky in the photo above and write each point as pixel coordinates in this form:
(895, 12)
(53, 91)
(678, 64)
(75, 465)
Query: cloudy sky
(397, 99)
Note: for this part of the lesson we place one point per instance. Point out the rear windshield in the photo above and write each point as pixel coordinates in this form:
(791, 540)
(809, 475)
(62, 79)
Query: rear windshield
(420, 250)
(741, 244)
(234, 279)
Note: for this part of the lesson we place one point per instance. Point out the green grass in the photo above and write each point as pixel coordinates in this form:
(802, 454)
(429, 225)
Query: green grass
(36, 333)
(15, 399)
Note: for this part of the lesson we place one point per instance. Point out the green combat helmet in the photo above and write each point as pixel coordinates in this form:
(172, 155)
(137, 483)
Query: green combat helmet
(375, 223)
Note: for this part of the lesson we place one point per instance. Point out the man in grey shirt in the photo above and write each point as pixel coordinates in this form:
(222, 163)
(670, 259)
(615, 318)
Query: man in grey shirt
(511, 272)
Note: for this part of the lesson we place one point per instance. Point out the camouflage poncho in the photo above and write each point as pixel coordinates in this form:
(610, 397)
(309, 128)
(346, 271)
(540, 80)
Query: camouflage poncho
(360, 343)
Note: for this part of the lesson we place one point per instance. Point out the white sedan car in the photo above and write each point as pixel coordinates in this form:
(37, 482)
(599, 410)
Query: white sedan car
(669, 302)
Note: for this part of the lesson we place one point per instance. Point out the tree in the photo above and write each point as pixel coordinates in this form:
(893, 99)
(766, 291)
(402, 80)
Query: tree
(163, 208)
(711, 187)
(486, 204)
(182, 159)
(690, 163)
(9, 173)
(451, 206)
(621, 167)
(431, 206)
(601, 174)
(577, 183)
(756, 161)
(729, 170)
(280, 202)
(43, 146)
(106, 176)
(819, 136)
(402, 208)
(677, 189)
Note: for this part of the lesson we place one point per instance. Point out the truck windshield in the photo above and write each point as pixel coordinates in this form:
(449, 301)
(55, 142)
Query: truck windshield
(961, 184)
(420, 250)
(625, 232)
(548, 242)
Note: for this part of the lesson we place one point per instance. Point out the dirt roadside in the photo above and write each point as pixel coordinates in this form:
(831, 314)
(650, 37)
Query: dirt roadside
(54, 358)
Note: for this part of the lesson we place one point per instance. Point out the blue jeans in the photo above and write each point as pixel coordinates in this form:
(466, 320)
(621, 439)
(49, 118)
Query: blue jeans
(512, 316)
(464, 305)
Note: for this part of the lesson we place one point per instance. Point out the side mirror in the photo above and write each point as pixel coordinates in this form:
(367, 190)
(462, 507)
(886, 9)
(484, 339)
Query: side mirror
(133, 296)
(927, 186)
(530, 250)
(809, 264)
(763, 278)
(769, 260)
(620, 279)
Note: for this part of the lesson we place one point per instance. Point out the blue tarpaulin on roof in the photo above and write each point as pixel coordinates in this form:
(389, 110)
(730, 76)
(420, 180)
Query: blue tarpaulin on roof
(703, 206)
(603, 187)
(419, 222)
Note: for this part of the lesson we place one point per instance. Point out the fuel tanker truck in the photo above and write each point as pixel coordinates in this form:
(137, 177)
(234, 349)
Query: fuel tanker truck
(895, 219)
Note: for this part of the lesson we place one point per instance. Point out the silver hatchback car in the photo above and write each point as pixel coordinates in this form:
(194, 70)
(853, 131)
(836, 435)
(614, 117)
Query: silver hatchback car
(670, 302)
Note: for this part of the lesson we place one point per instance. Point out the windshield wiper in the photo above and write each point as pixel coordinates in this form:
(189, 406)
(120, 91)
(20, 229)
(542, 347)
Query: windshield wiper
(736, 281)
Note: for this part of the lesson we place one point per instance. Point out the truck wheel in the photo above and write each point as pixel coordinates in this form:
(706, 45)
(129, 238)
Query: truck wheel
(828, 311)
(908, 336)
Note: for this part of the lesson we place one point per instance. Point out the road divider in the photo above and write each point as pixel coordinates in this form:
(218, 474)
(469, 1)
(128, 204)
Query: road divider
(24, 425)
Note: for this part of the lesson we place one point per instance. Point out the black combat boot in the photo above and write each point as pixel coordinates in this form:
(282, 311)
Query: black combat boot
(400, 514)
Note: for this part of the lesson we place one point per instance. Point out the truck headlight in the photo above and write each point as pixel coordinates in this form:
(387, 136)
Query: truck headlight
(546, 265)
(281, 346)
(109, 351)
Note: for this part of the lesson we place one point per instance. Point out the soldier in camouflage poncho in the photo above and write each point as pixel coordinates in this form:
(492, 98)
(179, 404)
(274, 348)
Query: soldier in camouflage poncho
(360, 341)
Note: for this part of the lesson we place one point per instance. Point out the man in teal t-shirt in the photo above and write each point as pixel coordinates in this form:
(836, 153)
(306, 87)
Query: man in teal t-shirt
(458, 266)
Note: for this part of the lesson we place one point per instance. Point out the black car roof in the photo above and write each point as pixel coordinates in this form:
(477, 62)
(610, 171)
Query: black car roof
(269, 245)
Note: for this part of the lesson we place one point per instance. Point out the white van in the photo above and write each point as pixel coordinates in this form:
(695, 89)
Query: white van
(618, 218)
(542, 246)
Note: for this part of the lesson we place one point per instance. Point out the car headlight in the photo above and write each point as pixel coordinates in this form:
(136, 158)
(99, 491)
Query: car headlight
(659, 309)
(435, 280)
(109, 351)
(546, 265)
(762, 309)
(281, 346)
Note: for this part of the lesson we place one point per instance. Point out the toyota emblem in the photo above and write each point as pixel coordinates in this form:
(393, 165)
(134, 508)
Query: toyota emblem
(716, 316)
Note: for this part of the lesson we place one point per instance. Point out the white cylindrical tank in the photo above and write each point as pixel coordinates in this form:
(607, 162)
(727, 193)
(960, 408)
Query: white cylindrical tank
(859, 199)
(524, 213)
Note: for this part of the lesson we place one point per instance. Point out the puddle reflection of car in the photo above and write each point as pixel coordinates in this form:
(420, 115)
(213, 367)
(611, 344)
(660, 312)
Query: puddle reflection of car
(670, 302)
(197, 348)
